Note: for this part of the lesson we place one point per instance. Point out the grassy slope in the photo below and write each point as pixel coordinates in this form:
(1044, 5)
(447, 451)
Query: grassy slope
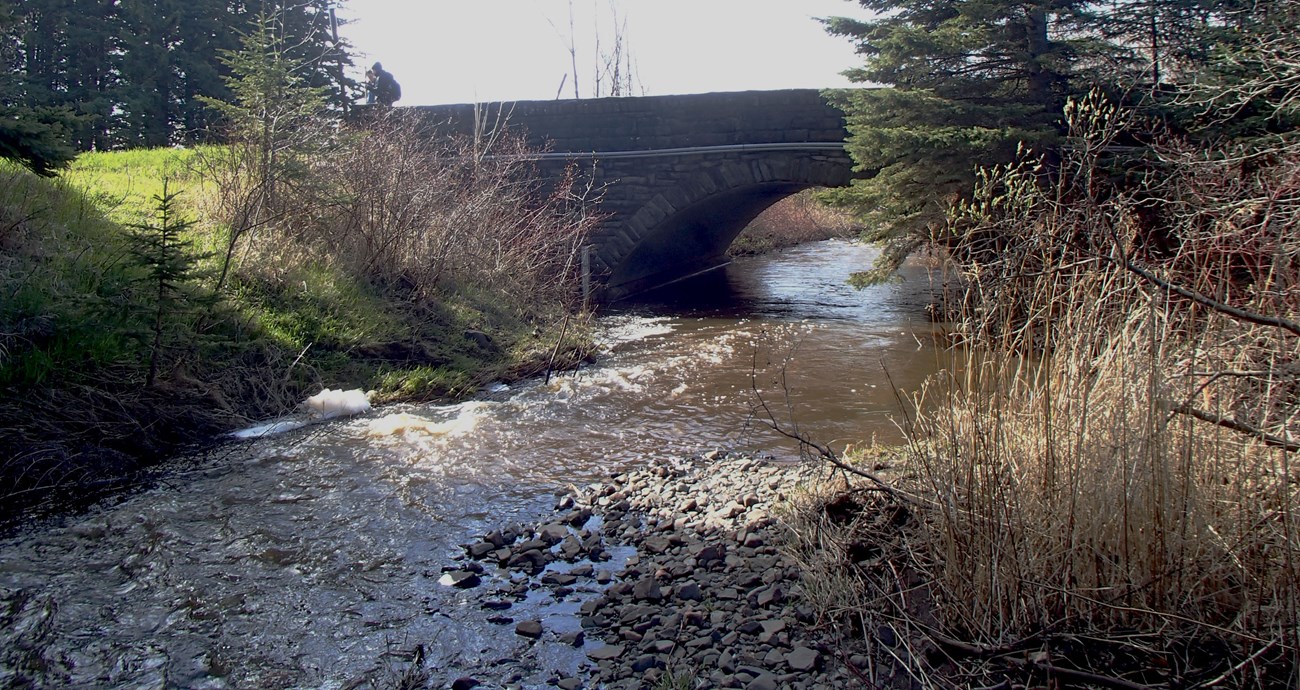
(75, 329)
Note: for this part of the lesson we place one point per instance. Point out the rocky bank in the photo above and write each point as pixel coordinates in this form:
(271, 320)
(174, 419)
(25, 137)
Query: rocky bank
(678, 577)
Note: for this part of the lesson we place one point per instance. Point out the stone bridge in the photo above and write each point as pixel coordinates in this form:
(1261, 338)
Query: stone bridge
(681, 175)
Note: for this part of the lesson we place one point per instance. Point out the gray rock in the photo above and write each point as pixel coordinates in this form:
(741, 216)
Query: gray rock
(770, 597)
(765, 681)
(562, 579)
(802, 659)
(607, 653)
(645, 663)
(656, 544)
(569, 684)
(552, 533)
(531, 629)
(647, 589)
(461, 579)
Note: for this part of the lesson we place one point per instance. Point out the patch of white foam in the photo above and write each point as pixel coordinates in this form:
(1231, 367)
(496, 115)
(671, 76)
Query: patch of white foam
(405, 424)
(332, 402)
(629, 329)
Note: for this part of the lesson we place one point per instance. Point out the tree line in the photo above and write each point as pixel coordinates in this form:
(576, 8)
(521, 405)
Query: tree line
(81, 75)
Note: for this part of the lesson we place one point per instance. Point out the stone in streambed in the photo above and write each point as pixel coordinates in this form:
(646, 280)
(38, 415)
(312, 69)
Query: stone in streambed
(802, 659)
(607, 653)
(530, 629)
(461, 579)
(647, 589)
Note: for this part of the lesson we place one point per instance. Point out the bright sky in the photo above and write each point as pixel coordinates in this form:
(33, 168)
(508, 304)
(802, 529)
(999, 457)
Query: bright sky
(461, 51)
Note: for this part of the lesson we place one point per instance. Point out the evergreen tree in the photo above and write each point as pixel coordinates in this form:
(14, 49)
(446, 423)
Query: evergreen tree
(35, 135)
(170, 266)
(971, 82)
(134, 72)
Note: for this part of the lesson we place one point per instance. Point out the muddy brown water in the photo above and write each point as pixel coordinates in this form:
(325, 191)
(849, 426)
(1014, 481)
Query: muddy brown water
(310, 559)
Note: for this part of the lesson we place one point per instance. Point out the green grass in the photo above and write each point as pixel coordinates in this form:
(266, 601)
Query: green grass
(123, 184)
(77, 329)
(74, 292)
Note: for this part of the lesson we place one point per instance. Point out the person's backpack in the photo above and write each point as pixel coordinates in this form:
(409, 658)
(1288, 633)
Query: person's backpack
(397, 91)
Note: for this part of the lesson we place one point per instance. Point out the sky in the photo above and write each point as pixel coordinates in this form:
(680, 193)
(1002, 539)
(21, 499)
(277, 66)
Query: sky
(464, 51)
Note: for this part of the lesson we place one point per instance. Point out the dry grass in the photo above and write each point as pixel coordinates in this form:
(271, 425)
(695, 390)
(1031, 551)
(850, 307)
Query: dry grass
(416, 212)
(1105, 491)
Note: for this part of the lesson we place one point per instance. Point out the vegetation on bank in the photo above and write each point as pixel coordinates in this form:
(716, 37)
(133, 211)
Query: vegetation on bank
(791, 221)
(395, 264)
(1102, 493)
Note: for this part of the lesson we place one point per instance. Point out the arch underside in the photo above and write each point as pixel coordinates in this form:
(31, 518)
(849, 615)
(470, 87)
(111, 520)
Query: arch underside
(694, 239)
(689, 229)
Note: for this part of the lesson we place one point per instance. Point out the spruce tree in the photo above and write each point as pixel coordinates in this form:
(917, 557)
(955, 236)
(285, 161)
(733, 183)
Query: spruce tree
(37, 136)
(170, 266)
(969, 83)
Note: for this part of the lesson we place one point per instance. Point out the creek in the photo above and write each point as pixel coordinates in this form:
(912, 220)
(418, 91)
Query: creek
(312, 558)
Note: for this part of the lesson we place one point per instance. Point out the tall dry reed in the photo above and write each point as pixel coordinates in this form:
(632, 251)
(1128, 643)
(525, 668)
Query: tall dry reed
(1117, 454)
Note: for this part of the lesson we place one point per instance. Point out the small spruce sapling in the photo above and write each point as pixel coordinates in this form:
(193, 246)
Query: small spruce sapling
(171, 266)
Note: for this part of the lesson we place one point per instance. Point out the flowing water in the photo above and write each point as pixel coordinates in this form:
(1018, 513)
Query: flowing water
(311, 558)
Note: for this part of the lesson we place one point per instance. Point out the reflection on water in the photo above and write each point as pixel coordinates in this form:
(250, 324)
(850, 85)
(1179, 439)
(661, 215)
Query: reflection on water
(311, 559)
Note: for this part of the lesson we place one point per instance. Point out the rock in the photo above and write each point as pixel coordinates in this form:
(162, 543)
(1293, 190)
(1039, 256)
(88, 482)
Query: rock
(562, 579)
(647, 589)
(569, 683)
(461, 579)
(764, 681)
(656, 544)
(645, 663)
(770, 596)
(497, 604)
(607, 653)
(464, 683)
(574, 639)
(802, 659)
(708, 555)
(570, 548)
(553, 533)
(690, 592)
(530, 629)
(480, 549)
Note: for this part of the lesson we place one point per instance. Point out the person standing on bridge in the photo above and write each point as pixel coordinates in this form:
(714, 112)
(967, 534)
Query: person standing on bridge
(386, 89)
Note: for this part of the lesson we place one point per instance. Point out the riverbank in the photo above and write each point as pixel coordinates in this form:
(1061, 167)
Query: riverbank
(158, 299)
(681, 575)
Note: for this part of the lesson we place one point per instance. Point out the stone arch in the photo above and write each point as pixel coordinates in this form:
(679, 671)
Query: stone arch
(688, 227)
